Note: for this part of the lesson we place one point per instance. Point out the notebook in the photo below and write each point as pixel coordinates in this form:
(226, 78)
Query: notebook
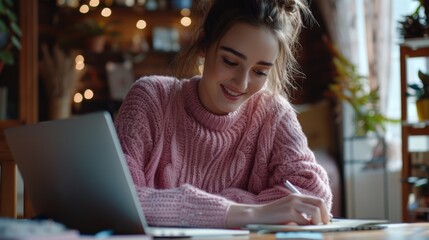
(75, 173)
(337, 224)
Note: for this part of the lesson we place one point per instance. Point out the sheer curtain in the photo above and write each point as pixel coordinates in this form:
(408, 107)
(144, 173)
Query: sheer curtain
(361, 29)
(365, 32)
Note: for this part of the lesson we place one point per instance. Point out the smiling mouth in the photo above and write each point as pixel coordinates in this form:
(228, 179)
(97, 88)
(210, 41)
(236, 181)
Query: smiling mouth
(231, 94)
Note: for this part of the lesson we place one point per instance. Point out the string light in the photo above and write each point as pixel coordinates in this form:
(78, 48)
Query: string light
(88, 94)
(106, 12)
(141, 24)
(186, 21)
(77, 98)
(94, 3)
(79, 60)
(84, 8)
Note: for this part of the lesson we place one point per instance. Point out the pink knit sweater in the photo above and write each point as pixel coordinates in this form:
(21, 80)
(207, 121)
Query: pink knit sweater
(190, 165)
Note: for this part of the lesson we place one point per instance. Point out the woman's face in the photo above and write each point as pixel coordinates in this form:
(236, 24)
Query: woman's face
(237, 67)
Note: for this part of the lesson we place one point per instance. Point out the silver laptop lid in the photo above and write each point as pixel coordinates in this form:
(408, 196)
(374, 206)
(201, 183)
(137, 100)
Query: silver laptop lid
(65, 165)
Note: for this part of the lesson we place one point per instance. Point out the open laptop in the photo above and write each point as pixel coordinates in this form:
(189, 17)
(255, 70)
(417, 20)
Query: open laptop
(76, 174)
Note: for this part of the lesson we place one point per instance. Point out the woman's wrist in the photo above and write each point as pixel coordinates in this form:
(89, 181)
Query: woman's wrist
(241, 214)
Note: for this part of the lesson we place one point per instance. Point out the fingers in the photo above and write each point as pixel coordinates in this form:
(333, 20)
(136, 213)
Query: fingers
(313, 209)
(295, 208)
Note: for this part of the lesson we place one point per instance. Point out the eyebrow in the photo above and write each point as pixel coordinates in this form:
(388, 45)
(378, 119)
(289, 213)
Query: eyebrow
(242, 56)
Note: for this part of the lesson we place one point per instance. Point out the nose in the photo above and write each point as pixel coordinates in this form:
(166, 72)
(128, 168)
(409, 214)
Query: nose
(241, 80)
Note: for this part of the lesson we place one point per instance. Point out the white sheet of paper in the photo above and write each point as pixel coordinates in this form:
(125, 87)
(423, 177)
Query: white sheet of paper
(337, 224)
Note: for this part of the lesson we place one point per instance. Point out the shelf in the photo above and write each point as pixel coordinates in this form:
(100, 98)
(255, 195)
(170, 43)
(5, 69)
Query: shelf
(416, 43)
(410, 48)
(139, 46)
(420, 214)
(421, 210)
(4, 149)
(416, 129)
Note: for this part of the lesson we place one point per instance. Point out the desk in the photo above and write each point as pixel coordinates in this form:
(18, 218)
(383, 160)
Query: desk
(414, 231)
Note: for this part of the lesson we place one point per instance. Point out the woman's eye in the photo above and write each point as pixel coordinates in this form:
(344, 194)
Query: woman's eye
(229, 62)
(261, 73)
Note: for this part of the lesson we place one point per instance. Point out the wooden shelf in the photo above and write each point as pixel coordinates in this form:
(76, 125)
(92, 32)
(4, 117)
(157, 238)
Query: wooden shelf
(416, 43)
(411, 48)
(417, 129)
(136, 45)
(27, 109)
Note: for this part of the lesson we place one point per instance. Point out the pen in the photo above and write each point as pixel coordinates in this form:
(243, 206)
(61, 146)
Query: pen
(293, 189)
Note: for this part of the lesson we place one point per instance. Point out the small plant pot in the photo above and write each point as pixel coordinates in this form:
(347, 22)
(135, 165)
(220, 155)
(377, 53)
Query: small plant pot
(422, 106)
(96, 44)
(60, 108)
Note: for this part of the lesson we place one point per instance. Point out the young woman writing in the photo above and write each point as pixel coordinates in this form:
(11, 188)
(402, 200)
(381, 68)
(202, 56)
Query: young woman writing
(214, 150)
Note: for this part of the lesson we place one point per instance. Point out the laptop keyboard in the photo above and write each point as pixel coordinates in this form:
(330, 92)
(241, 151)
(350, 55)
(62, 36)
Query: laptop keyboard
(22, 228)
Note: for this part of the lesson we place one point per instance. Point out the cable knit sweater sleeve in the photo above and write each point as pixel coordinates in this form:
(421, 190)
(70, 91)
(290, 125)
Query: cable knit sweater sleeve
(139, 127)
(285, 155)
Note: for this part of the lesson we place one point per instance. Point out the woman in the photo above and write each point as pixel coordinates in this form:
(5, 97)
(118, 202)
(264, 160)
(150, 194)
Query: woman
(215, 150)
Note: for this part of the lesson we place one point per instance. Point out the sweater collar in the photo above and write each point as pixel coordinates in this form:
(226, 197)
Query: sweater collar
(204, 117)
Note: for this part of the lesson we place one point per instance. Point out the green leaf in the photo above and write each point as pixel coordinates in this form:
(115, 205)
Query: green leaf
(2, 7)
(16, 42)
(16, 29)
(9, 3)
(3, 26)
(10, 15)
(6, 57)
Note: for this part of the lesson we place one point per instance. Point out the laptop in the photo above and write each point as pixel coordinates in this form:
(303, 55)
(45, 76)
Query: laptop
(76, 174)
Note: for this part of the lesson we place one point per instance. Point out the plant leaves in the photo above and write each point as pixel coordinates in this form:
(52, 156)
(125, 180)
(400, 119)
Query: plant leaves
(16, 42)
(6, 57)
(16, 29)
(3, 26)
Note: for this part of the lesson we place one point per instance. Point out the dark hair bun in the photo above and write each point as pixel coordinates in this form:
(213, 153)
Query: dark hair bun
(287, 5)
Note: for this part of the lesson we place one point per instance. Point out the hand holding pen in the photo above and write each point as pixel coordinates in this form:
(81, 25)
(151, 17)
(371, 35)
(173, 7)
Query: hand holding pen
(293, 189)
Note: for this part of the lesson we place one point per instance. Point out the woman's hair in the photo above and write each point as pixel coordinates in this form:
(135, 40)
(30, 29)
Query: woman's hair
(283, 17)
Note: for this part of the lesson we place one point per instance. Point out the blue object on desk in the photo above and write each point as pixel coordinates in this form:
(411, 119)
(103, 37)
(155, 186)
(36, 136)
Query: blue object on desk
(299, 235)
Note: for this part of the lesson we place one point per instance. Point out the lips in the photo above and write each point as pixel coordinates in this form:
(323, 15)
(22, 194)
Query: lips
(230, 94)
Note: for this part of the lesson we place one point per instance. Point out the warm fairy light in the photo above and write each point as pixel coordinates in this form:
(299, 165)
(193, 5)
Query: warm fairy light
(84, 8)
(141, 24)
(88, 94)
(186, 21)
(77, 98)
(94, 3)
(106, 12)
(79, 59)
(185, 12)
(80, 66)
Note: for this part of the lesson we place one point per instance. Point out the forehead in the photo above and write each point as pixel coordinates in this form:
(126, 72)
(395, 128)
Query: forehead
(255, 42)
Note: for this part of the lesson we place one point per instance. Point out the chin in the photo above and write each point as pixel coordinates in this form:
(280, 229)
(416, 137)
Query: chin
(230, 109)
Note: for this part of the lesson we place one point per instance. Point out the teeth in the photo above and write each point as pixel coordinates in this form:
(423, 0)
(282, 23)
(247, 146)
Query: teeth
(235, 94)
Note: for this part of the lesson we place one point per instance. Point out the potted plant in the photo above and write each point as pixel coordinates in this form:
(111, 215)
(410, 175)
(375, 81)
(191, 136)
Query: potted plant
(351, 87)
(10, 33)
(95, 32)
(420, 186)
(421, 92)
(415, 25)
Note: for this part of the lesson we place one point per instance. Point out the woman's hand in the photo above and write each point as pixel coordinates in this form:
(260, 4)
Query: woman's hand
(294, 209)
